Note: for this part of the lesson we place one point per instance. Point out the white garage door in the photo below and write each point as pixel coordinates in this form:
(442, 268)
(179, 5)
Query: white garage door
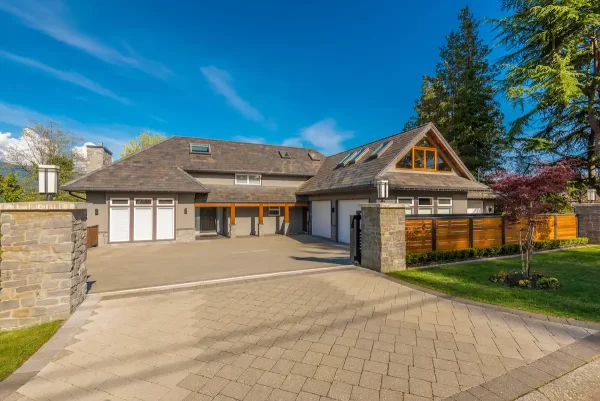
(347, 208)
(474, 207)
(142, 223)
(119, 224)
(321, 218)
(165, 223)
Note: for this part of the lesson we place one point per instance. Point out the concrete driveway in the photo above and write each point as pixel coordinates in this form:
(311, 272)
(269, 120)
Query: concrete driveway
(128, 266)
(343, 335)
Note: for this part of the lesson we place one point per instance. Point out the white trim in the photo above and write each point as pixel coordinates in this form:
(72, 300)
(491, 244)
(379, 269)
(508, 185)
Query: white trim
(158, 200)
(446, 204)
(412, 200)
(119, 204)
(247, 179)
(143, 204)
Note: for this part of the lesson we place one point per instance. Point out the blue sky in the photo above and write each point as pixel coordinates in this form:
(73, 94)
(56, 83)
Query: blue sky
(324, 74)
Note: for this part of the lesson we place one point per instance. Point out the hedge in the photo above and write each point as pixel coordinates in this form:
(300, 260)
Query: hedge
(419, 259)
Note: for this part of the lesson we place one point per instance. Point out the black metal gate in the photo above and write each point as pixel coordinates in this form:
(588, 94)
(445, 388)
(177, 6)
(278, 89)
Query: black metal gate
(355, 244)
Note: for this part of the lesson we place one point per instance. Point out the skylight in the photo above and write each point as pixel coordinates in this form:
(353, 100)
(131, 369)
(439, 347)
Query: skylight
(284, 154)
(381, 148)
(314, 157)
(346, 158)
(358, 155)
(200, 148)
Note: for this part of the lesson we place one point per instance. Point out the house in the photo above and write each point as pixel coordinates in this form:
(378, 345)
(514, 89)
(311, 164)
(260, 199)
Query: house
(184, 187)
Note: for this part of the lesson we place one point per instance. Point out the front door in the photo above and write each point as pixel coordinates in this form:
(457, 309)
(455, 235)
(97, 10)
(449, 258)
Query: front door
(208, 219)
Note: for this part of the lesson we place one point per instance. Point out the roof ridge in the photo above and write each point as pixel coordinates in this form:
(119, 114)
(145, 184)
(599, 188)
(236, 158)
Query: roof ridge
(381, 139)
(73, 181)
(247, 143)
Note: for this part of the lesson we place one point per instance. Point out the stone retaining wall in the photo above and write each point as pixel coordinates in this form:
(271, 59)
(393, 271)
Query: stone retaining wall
(43, 273)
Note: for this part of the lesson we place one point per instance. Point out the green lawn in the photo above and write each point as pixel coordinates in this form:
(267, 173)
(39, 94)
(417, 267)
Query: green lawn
(18, 345)
(577, 269)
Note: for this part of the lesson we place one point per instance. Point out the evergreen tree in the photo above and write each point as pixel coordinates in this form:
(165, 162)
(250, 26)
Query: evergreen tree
(10, 190)
(553, 68)
(459, 99)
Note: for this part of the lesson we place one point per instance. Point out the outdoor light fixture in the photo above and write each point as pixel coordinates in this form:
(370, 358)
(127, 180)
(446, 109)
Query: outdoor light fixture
(382, 189)
(591, 194)
(48, 180)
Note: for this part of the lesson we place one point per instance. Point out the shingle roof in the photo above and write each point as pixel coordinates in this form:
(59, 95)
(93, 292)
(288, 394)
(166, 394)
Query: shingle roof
(162, 167)
(439, 181)
(364, 173)
(250, 194)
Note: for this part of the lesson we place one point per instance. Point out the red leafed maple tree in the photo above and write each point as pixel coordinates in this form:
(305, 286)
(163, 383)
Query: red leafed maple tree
(525, 196)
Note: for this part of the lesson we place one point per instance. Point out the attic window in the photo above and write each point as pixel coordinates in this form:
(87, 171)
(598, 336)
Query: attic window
(284, 154)
(358, 155)
(346, 158)
(198, 148)
(314, 157)
(381, 148)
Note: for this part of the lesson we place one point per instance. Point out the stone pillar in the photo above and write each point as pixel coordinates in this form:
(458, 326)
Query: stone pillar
(261, 229)
(286, 228)
(43, 273)
(588, 215)
(232, 231)
(383, 237)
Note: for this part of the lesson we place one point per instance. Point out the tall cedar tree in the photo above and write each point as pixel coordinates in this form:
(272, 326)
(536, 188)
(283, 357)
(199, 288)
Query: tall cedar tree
(553, 73)
(459, 99)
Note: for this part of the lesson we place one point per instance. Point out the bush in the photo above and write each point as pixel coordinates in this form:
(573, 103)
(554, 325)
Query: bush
(418, 259)
(517, 279)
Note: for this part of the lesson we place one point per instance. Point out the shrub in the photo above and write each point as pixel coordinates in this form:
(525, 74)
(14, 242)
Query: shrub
(518, 279)
(417, 259)
(547, 283)
(499, 278)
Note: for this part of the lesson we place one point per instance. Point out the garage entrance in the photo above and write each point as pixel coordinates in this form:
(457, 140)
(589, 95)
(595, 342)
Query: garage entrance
(321, 218)
(141, 219)
(347, 208)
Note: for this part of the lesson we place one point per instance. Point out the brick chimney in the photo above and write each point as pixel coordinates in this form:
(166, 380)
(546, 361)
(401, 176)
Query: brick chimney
(97, 156)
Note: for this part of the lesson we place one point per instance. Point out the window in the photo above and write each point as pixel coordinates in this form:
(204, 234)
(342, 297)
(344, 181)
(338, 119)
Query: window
(346, 158)
(358, 155)
(444, 205)
(381, 148)
(200, 148)
(489, 209)
(143, 202)
(165, 202)
(274, 211)
(247, 179)
(423, 156)
(408, 203)
(284, 154)
(119, 202)
(425, 206)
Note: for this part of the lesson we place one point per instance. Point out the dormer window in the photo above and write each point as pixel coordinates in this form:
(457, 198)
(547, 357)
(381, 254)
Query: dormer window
(248, 179)
(200, 148)
(346, 159)
(284, 154)
(424, 156)
(358, 155)
(380, 149)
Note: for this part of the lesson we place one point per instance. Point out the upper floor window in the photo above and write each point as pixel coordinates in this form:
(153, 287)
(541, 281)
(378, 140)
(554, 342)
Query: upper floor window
(357, 156)
(425, 157)
(200, 148)
(381, 148)
(247, 179)
(346, 159)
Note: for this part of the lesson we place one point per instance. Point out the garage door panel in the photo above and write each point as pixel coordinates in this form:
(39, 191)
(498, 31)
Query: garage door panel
(321, 218)
(165, 223)
(142, 224)
(119, 224)
(347, 208)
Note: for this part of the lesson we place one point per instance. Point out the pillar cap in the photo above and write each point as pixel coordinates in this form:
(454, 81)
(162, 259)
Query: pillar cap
(42, 206)
(383, 205)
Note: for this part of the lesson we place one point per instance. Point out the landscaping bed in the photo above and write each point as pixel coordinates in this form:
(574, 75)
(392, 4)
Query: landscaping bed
(18, 345)
(578, 270)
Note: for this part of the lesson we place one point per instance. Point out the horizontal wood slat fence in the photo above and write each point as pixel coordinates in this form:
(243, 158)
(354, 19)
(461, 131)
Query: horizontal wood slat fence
(426, 234)
(92, 236)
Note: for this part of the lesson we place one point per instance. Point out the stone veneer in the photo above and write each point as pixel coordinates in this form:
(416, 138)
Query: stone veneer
(43, 273)
(588, 215)
(383, 244)
(185, 235)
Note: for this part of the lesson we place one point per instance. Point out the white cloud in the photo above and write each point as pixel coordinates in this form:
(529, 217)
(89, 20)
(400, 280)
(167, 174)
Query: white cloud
(248, 139)
(323, 135)
(72, 77)
(51, 17)
(221, 82)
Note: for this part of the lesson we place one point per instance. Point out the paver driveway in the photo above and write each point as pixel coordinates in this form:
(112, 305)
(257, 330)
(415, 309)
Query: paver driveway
(343, 335)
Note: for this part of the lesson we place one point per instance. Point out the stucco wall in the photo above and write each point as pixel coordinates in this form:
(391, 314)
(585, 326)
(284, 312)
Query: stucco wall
(459, 199)
(246, 221)
(97, 201)
(267, 181)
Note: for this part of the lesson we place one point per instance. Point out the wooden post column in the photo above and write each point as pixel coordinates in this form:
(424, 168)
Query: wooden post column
(286, 219)
(261, 215)
(232, 221)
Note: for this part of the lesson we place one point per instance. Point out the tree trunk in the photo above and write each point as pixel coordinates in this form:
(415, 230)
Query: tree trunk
(528, 254)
